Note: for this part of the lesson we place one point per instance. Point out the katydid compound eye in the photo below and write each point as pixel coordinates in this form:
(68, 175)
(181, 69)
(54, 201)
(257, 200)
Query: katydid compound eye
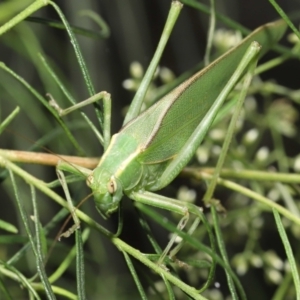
(90, 180)
(111, 186)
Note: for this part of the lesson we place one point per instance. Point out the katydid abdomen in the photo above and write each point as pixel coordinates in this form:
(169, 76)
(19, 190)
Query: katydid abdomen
(144, 148)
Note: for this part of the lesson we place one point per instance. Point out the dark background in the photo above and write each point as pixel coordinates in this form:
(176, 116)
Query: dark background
(135, 27)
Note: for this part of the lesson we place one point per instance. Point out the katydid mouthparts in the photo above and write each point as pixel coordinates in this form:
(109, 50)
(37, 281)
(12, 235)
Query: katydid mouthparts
(152, 148)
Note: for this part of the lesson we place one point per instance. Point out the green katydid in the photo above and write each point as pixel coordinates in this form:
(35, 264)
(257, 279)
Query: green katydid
(139, 156)
(136, 128)
(153, 146)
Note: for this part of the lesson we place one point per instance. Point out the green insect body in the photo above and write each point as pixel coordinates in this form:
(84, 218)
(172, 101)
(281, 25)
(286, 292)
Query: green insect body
(139, 154)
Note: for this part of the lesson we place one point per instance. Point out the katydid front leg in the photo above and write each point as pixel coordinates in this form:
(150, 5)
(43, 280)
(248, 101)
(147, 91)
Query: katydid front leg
(72, 209)
(75, 169)
(64, 166)
(179, 207)
(105, 97)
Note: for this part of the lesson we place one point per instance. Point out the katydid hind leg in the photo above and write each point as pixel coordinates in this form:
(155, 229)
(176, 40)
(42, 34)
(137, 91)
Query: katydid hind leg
(184, 220)
(237, 110)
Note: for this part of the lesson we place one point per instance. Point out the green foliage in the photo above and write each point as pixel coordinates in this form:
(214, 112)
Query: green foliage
(250, 233)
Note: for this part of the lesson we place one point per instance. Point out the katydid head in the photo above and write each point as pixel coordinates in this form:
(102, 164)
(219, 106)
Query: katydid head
(107, 192)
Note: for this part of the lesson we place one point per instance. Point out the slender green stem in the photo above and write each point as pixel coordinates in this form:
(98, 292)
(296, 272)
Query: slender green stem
(227, 21)
(77, 51)
(55, 220)
(255, 196)
(77, 30)
(40, 185)
(80, 266)
(191, 291)
(211, 31)
(223, 252)
(105, 31)
(36, 5)
(285, 17)
(44, 102)
(277, 61)
(244, 174)
(22, 212)
(147, 229)
(192, 241)
(289, 201)
(137, 101)
(283, 288)
(169, 288)
(57, 290)
(135, 276)
(80, 59)
(64, 265)
(13, 273)
(289, 253)
(39, 252)
(11, 116)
